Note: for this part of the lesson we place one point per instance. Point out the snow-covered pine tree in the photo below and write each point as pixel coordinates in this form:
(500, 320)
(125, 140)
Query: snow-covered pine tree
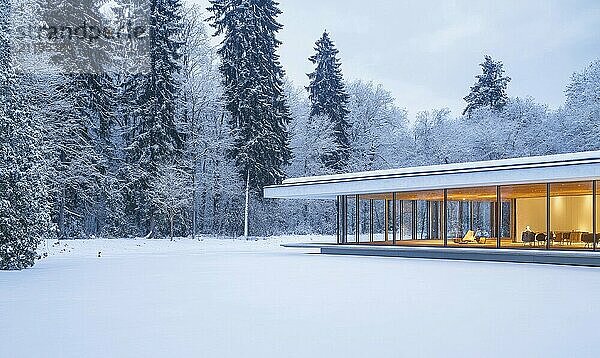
(490, 89)
(253, 81)
(24, 219)
(215, 188)
(329, 98)
(81, 129)
(155, 137)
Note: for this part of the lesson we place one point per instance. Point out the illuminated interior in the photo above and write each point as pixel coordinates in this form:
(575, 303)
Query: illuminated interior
(559, 216)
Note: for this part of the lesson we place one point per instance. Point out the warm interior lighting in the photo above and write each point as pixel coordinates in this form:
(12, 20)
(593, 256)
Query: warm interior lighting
(419, 216)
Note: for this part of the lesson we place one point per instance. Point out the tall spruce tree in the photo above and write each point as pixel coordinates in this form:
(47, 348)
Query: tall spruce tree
(490, 88)
(329, 98)
(155, 138)
(24, 219)
(253, 81)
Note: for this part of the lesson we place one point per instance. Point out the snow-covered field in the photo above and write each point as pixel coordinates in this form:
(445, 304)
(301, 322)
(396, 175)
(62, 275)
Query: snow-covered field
(235, 298)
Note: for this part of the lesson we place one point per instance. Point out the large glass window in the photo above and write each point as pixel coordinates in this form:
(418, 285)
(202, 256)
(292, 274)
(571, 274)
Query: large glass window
(471, 217)
(364, 225)
(436, 219)
(389, 219)
(571, 216)
(341, 219)
(596, 225)
(399, 229)
(379, 219)
(422, 215)
(407, 220)
(351, 219)
(526, 205)
(417, 222)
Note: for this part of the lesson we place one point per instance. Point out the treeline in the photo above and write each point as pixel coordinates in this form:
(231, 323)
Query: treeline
(185, 146)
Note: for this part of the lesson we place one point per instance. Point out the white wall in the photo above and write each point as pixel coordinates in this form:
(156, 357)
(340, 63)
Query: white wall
(568, 213)
(571, 213)
(531, 212)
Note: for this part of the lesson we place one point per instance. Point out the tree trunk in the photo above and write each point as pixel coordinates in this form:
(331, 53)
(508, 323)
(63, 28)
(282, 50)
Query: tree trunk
(61, 213)
(247, 204)
(152, 226)
(194, 203)
(172, 219)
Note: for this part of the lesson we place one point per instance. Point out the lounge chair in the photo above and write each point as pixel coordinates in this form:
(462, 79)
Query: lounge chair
(469, 238)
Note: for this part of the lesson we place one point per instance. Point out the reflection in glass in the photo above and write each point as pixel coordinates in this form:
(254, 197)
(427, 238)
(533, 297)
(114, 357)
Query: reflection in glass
(418, 218)
(378, 220)
(364, 220)
(351, 218)
(472, 217)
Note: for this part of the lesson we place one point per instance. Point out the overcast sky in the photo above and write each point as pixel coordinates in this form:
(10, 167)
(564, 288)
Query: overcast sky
(427, 52)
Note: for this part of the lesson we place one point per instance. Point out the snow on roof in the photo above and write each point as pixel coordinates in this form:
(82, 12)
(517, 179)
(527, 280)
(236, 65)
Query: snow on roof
(549, 168)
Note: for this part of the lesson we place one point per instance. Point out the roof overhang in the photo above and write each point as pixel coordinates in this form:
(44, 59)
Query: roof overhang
(542, 169)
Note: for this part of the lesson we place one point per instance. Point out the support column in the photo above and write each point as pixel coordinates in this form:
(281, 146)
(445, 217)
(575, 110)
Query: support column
(493, 222)
(440, 221)
(498, 217)
(344, 221)
(357, 225)
(394, 218)
(548, 216)
(385, 220)
(594, 208)
(337, 219)
(513, 220)
(401, 219)
(445, 215)
(371, 225)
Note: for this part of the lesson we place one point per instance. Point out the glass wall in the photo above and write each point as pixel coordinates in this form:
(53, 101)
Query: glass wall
(571, 216)
(379, 219)
(371, 219)
(436, 219)
(351, 219)
(557, 216)
(407, 220)
(472, 217)
(364, 222)
(398, 219)
(341, 219)
(527, 206)
(417, 222)
(389, 219)
(423, 217)
(596, 224)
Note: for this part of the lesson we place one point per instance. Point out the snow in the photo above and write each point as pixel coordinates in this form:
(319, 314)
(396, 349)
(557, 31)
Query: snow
(237, 298)
(542, 169)
(541, 160)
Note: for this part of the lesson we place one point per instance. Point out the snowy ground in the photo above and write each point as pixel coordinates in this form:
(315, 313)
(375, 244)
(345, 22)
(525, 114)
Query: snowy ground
(234, 298)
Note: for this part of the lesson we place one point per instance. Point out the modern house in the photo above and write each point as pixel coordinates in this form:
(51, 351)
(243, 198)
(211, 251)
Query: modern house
(533, 203)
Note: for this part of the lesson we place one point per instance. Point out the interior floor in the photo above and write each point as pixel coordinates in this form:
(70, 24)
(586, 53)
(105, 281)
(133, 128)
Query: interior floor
(506, 243)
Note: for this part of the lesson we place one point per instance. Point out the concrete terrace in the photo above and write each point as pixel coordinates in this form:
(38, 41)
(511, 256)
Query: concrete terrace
(553, 257)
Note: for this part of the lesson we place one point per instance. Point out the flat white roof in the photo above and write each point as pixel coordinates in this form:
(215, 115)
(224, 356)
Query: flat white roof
(541, 169)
